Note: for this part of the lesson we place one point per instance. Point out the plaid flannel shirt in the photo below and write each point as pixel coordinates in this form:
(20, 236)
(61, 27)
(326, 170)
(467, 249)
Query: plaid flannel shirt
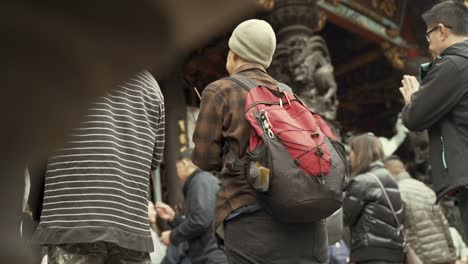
(222, 121)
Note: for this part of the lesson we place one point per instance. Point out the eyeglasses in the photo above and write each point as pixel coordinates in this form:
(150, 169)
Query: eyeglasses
(428, 33)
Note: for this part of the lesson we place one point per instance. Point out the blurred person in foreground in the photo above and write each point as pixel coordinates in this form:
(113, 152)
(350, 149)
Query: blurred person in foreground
(81, 50)
(96, 192)
(199, 189)
(375, 234)
(425, 226)
(440, 102)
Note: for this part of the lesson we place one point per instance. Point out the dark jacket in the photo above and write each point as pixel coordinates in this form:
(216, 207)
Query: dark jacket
(375, 235)
(200, 197)
(177, 254)
(222, 122)
(441, 107)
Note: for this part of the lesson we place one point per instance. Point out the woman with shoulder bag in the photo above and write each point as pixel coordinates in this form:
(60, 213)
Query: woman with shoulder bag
(372, 206)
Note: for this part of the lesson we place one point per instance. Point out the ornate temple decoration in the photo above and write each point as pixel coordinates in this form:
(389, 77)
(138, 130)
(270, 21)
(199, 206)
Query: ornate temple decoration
(322, 20)
(381, 18)
(388, 7)
(334, 2)
(302, 59)
(266, 5)
(393, 32)
(395, 54)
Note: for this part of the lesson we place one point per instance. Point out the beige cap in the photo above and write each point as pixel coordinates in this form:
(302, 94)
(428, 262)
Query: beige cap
(254, 40)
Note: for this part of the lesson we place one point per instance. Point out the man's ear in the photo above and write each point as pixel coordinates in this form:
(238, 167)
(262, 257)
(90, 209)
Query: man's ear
(444, 31)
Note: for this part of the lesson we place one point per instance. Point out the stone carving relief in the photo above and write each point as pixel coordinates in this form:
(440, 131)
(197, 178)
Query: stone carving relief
(389, 7)
(266, 5)
(303, 61)
(396, 55)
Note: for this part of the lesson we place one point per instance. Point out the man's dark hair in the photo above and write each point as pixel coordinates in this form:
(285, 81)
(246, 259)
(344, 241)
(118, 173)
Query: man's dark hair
(452, 13)
(185, 155)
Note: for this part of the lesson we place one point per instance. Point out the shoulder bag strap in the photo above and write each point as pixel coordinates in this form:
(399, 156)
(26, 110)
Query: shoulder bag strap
(386, 197)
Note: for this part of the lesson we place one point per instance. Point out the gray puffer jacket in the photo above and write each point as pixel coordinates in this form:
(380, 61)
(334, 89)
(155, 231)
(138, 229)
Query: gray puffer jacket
(426, 228)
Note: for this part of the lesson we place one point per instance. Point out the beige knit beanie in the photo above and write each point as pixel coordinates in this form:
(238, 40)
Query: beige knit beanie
(255, 41)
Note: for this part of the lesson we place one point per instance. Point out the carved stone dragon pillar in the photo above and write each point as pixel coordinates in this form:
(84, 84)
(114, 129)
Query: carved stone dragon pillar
(302, 59)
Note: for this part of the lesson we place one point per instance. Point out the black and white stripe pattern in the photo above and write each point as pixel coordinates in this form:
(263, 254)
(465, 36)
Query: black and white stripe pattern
(96, 186)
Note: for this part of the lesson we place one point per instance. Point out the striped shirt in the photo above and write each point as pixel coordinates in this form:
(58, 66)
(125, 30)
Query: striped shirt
(97, 185)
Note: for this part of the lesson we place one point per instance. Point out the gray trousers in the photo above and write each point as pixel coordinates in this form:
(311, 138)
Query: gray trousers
(257, 238)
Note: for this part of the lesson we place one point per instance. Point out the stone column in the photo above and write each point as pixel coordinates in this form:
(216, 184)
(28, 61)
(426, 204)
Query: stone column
(302, 59)
(175, 105)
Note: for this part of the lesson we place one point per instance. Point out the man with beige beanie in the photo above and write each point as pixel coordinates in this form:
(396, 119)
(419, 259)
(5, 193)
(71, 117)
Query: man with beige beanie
(221, 137)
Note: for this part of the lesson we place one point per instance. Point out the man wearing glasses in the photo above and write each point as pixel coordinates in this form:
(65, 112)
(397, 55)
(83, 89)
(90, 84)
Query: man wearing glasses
(440, 103)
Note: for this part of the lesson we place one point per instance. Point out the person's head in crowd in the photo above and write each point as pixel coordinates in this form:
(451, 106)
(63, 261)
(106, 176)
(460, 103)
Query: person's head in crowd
(395, 166)
(252, 41)
(447, 24)
(365, 149)
(185, 166)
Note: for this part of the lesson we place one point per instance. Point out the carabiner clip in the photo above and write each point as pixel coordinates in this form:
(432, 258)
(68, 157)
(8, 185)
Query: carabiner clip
(270, 133)
(265, 114)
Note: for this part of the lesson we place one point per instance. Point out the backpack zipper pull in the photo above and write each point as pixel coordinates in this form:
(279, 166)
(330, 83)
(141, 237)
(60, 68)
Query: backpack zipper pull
(320, 178)
(266, 123)
(265, 114)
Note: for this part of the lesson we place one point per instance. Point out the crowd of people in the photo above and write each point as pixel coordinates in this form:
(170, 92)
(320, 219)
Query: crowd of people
(96, 200)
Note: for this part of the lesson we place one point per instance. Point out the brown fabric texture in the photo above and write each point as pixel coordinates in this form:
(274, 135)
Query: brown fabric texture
(221, 122)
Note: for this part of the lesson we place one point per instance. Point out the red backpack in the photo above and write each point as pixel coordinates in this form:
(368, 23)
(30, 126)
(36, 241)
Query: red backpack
(294, 162)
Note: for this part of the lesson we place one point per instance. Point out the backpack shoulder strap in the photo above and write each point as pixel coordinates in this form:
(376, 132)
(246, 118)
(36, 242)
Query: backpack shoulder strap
(284, 88)
(248, 84)
(243, 81)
